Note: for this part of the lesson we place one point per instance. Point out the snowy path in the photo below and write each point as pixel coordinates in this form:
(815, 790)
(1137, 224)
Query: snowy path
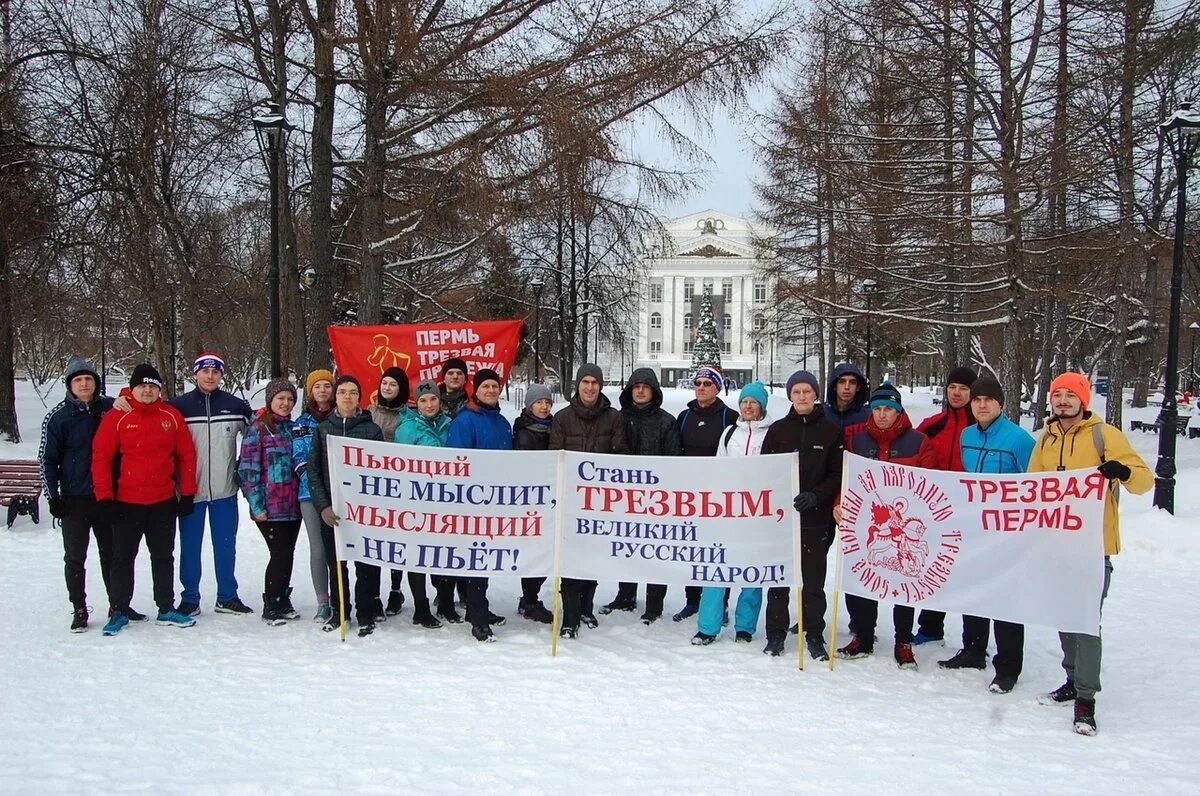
(233, 705)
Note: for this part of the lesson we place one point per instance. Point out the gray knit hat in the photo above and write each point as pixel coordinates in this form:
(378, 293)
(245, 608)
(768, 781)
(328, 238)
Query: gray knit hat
(588, 369)
(426, 387)
(276, 386)
(535, 393)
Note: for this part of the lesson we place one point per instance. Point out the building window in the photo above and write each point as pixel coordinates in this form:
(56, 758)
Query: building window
(760, 322)
(727, 289)
(655, 346)
(727, 323)
(689, 288)
(656, 290)
(687, 347)
(687, 321)
(727, 347)
(655, 320)
(708, 286)
(760, 291)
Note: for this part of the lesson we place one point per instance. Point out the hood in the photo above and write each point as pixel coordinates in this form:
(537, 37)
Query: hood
(761, 423)
(535, 424)
(642, 376)
(80, 366)
(860, 397)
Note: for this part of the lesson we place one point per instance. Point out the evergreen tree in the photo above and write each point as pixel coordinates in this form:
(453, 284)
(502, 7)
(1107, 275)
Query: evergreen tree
(706, 351)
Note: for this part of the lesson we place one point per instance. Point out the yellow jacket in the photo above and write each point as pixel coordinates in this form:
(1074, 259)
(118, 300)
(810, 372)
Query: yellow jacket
(1077, 449)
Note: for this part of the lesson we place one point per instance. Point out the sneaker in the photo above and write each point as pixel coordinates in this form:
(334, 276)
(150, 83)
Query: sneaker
(535, 611)
(1063, 695)
(774, 646)
(189, 609)
(816, 648)
(426, 620)
(702, 640)
(334, 622)
(589, 620)
(965, 659)
(743, 637)
(395, 603)
(79, 620)
(449, 615)
(619, 604)
(687, 612)
(134, 616)
(650, 617)
(483, 633)
(115, 622)
(567, 631)
(1085, 716)
(324, 611)
(233, 605)
(904, 656)
(366, 629)
(496, 619)
(1002, 684)
(172, 618)
(924, 638)
(855, 649)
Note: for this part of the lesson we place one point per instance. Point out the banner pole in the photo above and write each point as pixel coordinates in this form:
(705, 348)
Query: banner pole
(556, 623)
(341, 592)
(837, 578)
(797, 545)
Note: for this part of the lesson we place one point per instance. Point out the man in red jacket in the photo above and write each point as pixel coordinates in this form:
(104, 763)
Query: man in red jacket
(944, 431)
(144, 474)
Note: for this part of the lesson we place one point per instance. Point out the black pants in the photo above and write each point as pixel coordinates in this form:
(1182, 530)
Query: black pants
(280, 536)
(864, 613)
(530, 588)
(83, 518)
(656, 595)
(156, 523)
(691, 595)
(416, 585)
(1010, 643)
(932, 623)
(366, 592)
(340, 599)
(578, 599)
(474, 592)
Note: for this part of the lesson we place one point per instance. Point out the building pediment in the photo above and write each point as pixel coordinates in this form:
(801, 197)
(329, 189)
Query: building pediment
(708, 250)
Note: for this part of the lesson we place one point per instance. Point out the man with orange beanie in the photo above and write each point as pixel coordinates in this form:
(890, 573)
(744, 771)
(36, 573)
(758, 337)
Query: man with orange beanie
(1075, 438)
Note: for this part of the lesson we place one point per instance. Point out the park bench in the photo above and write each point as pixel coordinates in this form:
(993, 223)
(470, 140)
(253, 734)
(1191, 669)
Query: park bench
(20, 488)
(1181, 426)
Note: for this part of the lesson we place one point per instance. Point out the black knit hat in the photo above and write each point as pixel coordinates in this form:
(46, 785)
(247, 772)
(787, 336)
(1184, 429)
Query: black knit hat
(486, 374)
(886, 395)
(986, 385)
(145, 374)
(346, 378)
(454, 363)
(962, 375)
(401, 398)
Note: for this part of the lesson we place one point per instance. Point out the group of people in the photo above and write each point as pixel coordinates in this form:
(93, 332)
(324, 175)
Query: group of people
(127, 468)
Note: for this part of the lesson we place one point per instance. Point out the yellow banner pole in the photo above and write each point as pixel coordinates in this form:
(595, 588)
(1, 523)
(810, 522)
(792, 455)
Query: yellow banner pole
(837, 578)
(341, 593)
(556, 623)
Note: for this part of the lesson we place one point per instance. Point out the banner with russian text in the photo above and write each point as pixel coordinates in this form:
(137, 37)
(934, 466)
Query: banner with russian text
(420, 349)
(444, 511)
(1024, 548)
(680, 520)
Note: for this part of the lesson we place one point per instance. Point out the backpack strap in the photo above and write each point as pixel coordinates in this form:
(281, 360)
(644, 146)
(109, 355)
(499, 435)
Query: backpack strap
(1098, 439)
(728, 435)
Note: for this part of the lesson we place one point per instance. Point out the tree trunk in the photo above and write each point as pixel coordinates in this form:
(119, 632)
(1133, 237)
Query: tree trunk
(322, 297)
(9, 430)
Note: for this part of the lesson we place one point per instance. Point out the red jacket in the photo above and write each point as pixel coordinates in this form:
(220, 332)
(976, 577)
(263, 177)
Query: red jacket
(155, 450)
(900, 444)
(945, 433)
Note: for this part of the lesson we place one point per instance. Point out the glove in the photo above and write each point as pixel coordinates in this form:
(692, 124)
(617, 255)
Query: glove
(805, 501)
(58, 507)
(184, 505)
(110, 510)
(1114, 469)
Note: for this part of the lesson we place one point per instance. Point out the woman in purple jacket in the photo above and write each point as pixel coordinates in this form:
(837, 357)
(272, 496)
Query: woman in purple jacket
(272, 488)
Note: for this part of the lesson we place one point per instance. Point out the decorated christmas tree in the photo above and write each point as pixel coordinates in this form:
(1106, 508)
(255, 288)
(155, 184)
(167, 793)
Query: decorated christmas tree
(706, 351)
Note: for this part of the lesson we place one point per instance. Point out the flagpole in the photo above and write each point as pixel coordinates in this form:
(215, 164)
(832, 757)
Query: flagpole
(837, 578)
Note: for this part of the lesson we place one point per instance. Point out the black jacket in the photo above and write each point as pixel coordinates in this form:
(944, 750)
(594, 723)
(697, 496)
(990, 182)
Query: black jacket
(531, 434)
(589, 429)
(649, 429)
(819, 443)
(66, 450)
(361, 426)
(701, 428)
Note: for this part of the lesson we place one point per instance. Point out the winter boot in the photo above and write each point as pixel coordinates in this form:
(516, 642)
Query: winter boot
(774, 646)
(816, 648)
(743, 637)
(134, 616)
(172, 618)
(483, 633)
(1002, 684)
(286, 608)
(568, 631)
(856, 649)
(702, 640)
(924, 638)
(448, 614)
(1063, 695)
(334, 622)
(379, 615)
(589, 620)
(426, 620)
(687, 612)
(79, 620)
(965, 659)
(904, 656)
(395, 602)
(650, 617)
(271, 613)
(366, 629)
(535, 611)
(233, 605)
(1085, 716)
(115, 622)
(496, 619)
(619, 604)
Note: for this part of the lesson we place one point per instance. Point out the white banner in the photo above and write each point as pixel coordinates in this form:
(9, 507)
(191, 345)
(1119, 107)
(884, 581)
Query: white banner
(1023, 548)
(680, 520)
(444, 511)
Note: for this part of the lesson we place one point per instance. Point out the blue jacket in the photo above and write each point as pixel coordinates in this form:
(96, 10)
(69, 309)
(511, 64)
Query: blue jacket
(303, 431)
(1004, 447)
(66, 450)
(480, 427)
(416, 429)
(215, 420)
(857, 411)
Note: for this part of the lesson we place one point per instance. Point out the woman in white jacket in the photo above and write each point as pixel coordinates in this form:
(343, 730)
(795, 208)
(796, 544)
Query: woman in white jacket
(745, 438)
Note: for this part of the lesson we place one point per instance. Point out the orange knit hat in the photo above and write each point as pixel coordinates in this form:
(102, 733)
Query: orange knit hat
(314, 377)
(1076, 383)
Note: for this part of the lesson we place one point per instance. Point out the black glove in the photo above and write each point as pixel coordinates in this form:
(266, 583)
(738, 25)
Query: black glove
(58, 507)
(110, 510)
(184, 505)
(805, 501)
(1114, 469)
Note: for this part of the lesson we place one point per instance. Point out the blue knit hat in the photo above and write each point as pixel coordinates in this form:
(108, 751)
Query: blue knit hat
(886, 395)
(802, 377)
(757, 391)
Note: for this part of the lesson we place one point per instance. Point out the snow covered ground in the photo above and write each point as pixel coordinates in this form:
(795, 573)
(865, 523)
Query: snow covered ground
(234, 706)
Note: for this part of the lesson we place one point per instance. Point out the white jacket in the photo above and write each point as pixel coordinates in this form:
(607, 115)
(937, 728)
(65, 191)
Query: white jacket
(745, 438)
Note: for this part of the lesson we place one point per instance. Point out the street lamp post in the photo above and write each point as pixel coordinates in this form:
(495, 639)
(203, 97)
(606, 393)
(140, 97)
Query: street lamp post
(1179, 134)
(271, 128)
(868, 286)
(537, 284)
(1192, 370)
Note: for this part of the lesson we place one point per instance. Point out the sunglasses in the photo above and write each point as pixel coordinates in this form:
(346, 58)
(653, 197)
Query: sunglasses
(705, 383)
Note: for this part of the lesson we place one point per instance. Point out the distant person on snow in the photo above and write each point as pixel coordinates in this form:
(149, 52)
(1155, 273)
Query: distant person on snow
(1075, 437)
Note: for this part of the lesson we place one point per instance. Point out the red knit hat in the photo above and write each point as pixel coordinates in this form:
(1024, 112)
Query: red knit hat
(1076, 383)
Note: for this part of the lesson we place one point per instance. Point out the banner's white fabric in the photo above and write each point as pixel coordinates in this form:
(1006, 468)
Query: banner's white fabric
(680, 520)
(445, 511)
(1023, 548)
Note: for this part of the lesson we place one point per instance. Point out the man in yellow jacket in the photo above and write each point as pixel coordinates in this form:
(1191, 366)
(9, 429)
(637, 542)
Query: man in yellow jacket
(1076, 438)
